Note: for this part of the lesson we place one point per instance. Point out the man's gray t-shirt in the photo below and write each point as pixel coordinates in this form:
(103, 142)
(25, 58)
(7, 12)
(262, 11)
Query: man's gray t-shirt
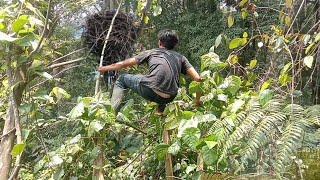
(165, 67)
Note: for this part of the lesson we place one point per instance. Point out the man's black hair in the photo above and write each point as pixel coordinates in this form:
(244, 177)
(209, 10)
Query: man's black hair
(168, 38)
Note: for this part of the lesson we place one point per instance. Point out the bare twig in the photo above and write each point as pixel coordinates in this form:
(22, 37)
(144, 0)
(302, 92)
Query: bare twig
(104, 46)
(65, 63)
(64, 56)
(12, 130)
(43, 32)
(294, 19)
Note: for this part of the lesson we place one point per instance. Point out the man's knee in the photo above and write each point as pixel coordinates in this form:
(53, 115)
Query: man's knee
(121, 82)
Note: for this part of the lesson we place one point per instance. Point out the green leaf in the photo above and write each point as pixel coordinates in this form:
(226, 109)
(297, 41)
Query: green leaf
(265, 96)
(211, 144)
(237, 105)
(237, 42)
(95, 126)
(157, 11)
(244, 14)
(253, 64)
(77, 111)
(230, 21)
(2, 27)
(18, 149)
(20, 22)
(185, 124)
(187, 114)
(265, 86)
(191, 137)
(60, 93)
(174, 148)
(195, 87)
(231, 84)
(308, 61)
(210, 156)
(233, 59)
(161, 151)
(6, 37)
(289, 3)
(218, 40)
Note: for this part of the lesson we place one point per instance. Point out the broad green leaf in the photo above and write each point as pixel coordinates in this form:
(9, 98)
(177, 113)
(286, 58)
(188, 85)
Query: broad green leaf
(211, 61)
(210, 156)
(205, 118)
(253, 64)
(211, 144)
(161, 151)
(185, 124)
(25, 134)
(191, 137)
(95, 126)
(55, 161)
(18, 149)
(265, 96)
(146, 19)
(218, 40)
(172, 123)
(310, 47)
(231, 84)
(77, 111)
(60, 93)
(174, 148)
(237, 105)
(237, 42)
(6, 37)
(157, 11)
(187, 114)
(230, 21)
(308, 61)
(223, 97)
(20, 22)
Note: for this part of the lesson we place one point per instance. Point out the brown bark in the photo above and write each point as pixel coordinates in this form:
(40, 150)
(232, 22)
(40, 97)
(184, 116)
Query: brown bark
(168, 163)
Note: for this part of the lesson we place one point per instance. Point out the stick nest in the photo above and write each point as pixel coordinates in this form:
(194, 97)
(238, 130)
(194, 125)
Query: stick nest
(121, 40)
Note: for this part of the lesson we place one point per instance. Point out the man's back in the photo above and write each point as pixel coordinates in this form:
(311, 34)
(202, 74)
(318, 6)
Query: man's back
(165, 67)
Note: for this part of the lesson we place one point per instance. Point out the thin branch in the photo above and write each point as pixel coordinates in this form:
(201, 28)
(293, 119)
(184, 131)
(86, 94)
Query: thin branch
(56, 75)
(65, 63)
(273, 10)
(43, 32)
(64, 56)
(295, 17)
(6, 134)
(105, 45)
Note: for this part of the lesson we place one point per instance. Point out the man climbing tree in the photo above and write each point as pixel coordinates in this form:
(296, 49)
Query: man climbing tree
(162, 82)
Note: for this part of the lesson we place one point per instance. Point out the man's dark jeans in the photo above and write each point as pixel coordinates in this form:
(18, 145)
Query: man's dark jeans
(133, 82)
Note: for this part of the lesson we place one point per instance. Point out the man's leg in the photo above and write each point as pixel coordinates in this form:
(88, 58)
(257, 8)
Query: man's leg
(124, 82)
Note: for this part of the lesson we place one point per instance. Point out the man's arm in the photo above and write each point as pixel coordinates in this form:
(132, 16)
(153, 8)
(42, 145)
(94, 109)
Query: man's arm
(119, 65)
(196, 77)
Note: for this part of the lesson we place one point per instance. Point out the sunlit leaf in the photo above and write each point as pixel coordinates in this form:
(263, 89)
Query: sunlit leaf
(308, 61)
(244, 14)
(237, 42)
(287, 20)
(237, 105)
(157, 11)
(6, 37)
(191, 168)
(233, 59)
(230, 21)
(218, 40)
(18, 149)
(265, 96)
(245, 35)
(211, 144)
(253, 64)
(289, 3)
(60, 93)
(243, 2)
(77, 111)
(174, 148)
(20, 22)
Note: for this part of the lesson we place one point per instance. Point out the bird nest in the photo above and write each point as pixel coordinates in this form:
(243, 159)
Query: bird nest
(121, 40)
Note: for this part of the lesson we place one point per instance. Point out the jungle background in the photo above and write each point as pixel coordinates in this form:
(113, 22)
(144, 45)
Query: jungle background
(260, 112)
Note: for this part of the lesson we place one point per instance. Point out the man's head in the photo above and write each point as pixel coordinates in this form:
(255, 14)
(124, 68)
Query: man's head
(168, 38)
